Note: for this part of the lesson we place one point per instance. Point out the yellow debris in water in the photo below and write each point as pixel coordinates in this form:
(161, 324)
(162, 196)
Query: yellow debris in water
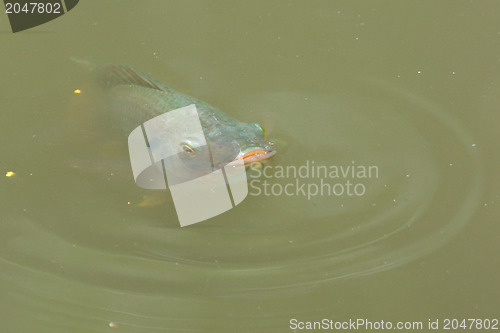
(9, 174)
(78, 91)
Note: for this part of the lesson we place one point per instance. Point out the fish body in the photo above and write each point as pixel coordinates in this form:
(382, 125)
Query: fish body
(134, 98)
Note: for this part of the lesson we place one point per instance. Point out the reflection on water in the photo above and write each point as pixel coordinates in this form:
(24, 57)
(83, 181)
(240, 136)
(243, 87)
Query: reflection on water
(78, 240)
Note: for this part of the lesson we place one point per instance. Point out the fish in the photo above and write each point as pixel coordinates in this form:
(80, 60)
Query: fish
(133, 98)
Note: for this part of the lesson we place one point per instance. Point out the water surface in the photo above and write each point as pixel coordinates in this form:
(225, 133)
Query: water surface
(410, 88)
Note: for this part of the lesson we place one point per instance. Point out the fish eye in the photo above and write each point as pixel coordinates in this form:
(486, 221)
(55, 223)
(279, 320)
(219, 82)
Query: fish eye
(260, 128)
(189, 147)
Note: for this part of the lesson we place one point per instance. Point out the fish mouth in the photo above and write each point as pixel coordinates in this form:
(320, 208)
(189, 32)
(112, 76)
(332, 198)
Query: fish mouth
(257, 155)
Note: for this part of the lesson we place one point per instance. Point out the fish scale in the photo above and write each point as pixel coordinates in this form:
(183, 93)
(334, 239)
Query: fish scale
(133, 98)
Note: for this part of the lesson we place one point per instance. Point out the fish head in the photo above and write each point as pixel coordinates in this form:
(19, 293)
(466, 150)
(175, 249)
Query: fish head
(239, 141)
(192, 155)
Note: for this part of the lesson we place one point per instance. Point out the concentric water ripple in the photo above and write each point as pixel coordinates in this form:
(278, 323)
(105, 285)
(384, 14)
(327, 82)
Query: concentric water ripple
(75, 236)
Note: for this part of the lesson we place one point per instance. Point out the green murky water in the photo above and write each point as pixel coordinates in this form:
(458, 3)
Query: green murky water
(409, 88)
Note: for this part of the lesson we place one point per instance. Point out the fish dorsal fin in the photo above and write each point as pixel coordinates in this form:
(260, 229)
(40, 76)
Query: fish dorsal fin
(117, 74)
